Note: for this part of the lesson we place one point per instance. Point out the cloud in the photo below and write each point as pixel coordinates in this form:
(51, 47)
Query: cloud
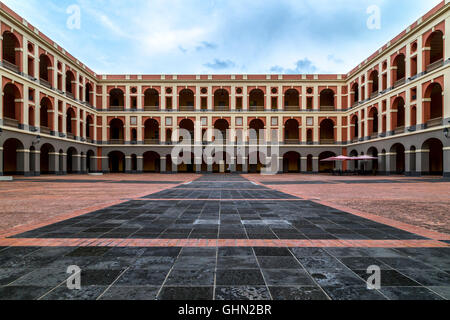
(332, 58)
(206, 45)
(301, 67)
(220, 64)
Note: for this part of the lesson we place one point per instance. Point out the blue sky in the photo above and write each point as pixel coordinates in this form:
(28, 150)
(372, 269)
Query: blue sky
(221, 36)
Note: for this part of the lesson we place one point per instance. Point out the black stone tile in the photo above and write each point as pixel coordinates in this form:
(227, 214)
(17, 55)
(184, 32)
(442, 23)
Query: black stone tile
(190, 263)
(321, 263)
(8, 276)
(99, 277)
(442, 291)
(186, 293)
(22, 292)
(405, 264)
(131, 293)
(198, 252)
(237, 262)
(363, 263)
(162, 252)
(409, 293)
(235, 252)
(297, 293)
(160, 263)
(88, 252)
(43, 277)
(141, 277)
(309, 252)
(279, 263)
(85, 293)
(389, 278)
(193, 278)
(272, 252)
(343, 292)
(239, 278)
(242, 293)
(429, 278)
(287, 277)
(333, 278)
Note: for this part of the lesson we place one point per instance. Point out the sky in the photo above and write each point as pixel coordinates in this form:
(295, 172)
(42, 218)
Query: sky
(221, 36)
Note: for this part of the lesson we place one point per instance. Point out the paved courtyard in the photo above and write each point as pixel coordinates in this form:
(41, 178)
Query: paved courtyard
(224, 237)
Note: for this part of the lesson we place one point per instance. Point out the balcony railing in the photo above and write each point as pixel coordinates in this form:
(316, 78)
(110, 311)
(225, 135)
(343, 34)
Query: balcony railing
(256, 108)
(187, 108)
(221, 108)
(151, 141)
(292, 108)
(11, 66)
(70, 95)
(151, 108)
(45, 130)
(374, 94)
(399, 130)
(400, 82)
(116, 141)
(434, 122)
(70, 136)
(291, 141)
(8, 122)
(45, 83)
(116, 108)
(374, 135)
(327, 108)
(435, 65)
(355, 140)
(326, 141)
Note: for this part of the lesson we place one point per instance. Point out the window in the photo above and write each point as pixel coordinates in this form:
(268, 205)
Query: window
(239, 103)
(204, 103)
(309, 103)
(169, 103)
(168, 121)
(239, 121)
(274, 121)
(204, 121)
(133, 121)
(309, 121)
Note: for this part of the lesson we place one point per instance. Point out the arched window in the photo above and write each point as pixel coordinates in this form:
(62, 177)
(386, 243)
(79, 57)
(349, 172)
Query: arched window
(327, 100)
(10, 44)
(327, 132)
(70, 82)
(45, 68)
(221, 100)
(257, 100)
(435, 54)
(116, 99)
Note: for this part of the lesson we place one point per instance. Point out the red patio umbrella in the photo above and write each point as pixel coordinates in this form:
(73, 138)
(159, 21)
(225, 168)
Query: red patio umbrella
(339, 158)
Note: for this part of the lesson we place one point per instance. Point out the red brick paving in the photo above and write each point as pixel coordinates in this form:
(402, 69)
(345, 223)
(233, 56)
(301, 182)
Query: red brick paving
(26, 205)
(49, 203)
(201, 243)
(422, 204)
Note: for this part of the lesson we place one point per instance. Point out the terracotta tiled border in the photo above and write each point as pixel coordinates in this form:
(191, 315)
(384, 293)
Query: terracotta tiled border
(74, 214)
(390, 222)
(202, 243)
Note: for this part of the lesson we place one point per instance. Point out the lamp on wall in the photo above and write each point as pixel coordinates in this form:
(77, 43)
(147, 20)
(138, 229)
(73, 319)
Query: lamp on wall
(37, 140)
(447, 133)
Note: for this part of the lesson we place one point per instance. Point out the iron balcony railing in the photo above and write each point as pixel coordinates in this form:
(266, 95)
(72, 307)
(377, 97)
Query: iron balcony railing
(435, 65)
(326, 141)
(8, 122)
(327, 108)
(434, 122)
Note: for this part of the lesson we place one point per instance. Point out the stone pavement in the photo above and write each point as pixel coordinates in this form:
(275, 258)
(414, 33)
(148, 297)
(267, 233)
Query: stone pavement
(222, 237)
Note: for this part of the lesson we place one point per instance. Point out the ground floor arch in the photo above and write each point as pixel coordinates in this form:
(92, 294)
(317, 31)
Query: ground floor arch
(292, 162)
(116, 160)
(13, 157)
(326, 166)
(47, 159)
(397, 156)
(432, 157)
(152, 162)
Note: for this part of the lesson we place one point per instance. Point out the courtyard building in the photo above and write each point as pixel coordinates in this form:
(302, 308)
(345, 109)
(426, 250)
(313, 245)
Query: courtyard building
(59, 117)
